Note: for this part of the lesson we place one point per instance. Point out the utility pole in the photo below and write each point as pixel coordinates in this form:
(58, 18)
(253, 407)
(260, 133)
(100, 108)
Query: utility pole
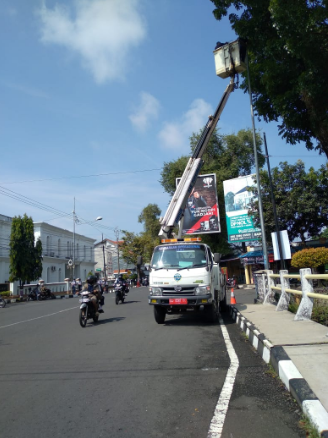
(74, 240)
(282, 261)
(264, 243)
(117, 231)
(104, 260)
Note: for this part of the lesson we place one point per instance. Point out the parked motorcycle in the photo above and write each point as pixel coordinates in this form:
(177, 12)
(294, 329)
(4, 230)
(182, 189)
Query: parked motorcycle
(120, 293)
(87, 309)
(45, 294)
(232, 282)
(3, 302)
(33, 294)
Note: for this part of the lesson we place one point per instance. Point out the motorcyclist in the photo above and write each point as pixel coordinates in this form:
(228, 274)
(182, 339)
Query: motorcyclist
(94, 293)
(120, 280)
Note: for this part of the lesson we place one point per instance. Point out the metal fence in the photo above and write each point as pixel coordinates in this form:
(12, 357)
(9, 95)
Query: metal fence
(268, 284)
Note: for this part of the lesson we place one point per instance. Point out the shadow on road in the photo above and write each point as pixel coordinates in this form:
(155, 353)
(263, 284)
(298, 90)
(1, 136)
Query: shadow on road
(131, 302)
(186, 320)
(106, 321)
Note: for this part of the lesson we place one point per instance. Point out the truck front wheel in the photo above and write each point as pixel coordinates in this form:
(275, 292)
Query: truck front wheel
(212, 314)
(159, 314)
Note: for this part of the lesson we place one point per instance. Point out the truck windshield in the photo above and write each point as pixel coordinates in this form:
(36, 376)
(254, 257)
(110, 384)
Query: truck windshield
(179, 256)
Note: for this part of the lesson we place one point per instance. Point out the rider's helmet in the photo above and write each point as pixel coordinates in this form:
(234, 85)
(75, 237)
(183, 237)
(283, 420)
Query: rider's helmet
(92, 280)
(120, 277)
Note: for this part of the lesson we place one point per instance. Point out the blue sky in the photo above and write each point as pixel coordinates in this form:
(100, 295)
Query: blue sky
(112, 87)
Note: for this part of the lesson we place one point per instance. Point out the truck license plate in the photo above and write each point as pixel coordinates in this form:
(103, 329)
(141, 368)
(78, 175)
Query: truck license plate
(178, 301)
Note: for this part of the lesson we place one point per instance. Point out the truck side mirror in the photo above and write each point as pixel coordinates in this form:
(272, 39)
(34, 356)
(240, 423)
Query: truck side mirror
(217, 257)
(139, 261)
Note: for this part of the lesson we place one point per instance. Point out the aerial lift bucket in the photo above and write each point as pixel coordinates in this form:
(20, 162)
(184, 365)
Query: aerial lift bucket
(230, 58)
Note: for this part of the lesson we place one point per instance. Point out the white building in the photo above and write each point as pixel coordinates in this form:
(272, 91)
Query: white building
(107, 256)
(57, 250)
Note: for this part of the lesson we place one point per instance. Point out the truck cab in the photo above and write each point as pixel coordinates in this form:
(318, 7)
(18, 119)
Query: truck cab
(185, 276)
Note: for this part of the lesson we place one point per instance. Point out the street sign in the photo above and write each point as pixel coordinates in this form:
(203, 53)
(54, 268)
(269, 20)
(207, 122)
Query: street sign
(70, 262)
(98, 270)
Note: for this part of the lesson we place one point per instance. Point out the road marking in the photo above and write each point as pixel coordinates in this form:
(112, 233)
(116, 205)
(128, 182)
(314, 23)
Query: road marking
(217, 423)
(39, 317)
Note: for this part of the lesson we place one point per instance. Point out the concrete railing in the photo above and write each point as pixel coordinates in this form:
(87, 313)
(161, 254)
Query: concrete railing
(268, 282)
(61, 286)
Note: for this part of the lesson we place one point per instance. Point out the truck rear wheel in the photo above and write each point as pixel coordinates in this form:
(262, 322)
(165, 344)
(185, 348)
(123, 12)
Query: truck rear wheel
(159, 314)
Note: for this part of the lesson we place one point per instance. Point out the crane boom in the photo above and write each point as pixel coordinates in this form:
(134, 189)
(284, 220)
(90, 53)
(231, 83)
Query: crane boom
(175, 210)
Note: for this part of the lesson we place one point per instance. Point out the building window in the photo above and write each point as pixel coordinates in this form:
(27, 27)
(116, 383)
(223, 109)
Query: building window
(77, 252)
(68, 254)
(84, 252)
(48, 245)
(58, 249)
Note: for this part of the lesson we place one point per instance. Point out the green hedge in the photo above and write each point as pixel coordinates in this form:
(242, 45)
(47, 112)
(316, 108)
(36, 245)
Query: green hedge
(5, 294)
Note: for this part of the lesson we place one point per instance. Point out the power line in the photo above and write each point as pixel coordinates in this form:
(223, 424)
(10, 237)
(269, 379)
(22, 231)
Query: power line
(82, 176)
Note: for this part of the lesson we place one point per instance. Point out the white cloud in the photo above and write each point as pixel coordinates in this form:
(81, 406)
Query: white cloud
(175, 135)
(101, 32)
(146, 111)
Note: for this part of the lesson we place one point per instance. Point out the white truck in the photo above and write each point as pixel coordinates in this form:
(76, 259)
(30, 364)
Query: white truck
(184, 274)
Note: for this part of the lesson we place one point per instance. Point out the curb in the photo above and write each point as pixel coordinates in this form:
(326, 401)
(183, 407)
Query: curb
(287, 372)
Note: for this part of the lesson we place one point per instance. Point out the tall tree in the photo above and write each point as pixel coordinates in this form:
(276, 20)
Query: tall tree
(135, 245)
(24, 256)
(228, 156)
(301, 200)
(150, 218)
(288, 61)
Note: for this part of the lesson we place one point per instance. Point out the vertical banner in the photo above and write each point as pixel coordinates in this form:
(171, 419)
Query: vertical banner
(237, 198)
(201, 214)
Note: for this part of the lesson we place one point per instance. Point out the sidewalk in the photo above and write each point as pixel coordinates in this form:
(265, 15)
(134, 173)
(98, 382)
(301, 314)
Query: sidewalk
(297, 350)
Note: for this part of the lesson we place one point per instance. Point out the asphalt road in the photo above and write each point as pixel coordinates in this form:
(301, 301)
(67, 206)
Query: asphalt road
(127, 376)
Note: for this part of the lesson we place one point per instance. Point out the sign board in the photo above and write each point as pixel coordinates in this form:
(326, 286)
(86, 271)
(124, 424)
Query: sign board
(237, 199)
(285, 246)
(201, 214)
(98, 269)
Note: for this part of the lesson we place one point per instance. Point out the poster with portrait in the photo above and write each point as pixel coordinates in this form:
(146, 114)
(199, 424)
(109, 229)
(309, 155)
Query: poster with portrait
(201, 214)
(237, 198)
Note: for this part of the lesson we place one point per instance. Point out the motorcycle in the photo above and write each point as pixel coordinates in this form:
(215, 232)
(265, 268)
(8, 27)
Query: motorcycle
(33, 295)
(3, 302)
(232, 282)
(120, 291)
(87, 309)
(45, 294)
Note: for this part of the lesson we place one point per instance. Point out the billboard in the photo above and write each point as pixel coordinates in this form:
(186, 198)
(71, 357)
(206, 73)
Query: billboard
(237, 198)
(201, 215)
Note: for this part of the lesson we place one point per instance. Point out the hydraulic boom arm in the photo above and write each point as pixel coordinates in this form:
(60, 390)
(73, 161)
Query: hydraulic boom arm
(177, 205)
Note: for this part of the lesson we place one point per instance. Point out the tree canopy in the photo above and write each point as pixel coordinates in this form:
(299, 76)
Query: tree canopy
(288, 62)
(142, 244)
(228, 156)
(25, 258)
(150, 218)
(301, 200)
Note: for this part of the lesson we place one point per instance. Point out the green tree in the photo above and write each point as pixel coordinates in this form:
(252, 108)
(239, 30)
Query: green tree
(228, 156)
(288, 61)
(135, 245)
(150, 218)
(301, 200)
(24, 257)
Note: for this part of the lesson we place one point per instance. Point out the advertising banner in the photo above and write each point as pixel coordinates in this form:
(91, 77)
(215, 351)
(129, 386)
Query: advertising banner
(237, 198)
(201, 214)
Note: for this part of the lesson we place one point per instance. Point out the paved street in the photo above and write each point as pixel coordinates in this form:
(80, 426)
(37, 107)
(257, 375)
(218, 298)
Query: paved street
(129, 377)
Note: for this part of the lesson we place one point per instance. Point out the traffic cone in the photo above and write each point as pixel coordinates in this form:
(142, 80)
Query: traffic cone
(232, 299)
